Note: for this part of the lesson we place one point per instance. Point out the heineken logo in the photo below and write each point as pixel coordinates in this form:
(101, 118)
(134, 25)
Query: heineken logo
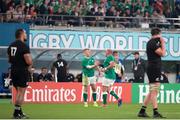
(168, 93)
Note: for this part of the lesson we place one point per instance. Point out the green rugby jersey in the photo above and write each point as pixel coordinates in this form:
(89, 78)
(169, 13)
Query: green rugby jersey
(86, 71)
(109, 73)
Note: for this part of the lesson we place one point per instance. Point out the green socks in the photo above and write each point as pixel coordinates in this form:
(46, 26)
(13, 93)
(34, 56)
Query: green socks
(114, 94)
(85, 96)
(94, 96)
(104, 98)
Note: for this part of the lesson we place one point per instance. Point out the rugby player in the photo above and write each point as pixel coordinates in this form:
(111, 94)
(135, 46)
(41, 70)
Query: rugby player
(20, 59)
(155, 50)
(88, 76)
(109, 78)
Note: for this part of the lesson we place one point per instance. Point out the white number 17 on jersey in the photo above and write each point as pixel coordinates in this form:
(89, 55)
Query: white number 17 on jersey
(13, 51)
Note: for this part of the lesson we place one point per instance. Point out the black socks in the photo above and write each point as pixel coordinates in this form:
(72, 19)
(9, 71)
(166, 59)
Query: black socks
(17, 110)
(155, 111)
(143, 109)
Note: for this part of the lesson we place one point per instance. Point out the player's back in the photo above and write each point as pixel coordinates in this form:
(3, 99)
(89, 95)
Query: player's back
(16, 53)
(61, 66)
(152, 45)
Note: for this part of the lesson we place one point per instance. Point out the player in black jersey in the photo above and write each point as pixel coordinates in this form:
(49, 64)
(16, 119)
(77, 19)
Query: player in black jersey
(155, 50)
(20, 59)
(61, 66)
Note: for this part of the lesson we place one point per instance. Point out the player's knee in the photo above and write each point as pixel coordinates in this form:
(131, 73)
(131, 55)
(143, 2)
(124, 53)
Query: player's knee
(85, 89)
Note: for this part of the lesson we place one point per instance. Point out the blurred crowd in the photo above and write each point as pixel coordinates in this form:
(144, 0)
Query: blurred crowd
(32, 11)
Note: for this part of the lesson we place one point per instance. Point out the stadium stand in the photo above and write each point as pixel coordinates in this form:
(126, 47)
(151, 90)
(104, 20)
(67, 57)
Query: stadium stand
(113, 13)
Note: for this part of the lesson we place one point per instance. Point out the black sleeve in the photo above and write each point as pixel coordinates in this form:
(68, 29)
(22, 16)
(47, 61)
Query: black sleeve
(25, 49)
(155, 45)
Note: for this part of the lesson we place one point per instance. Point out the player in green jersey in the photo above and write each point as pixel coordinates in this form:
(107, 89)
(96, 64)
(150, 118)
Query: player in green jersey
(109, 78)
(88, 76)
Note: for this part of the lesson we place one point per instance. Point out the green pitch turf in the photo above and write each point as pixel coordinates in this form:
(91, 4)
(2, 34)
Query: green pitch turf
(71, 111)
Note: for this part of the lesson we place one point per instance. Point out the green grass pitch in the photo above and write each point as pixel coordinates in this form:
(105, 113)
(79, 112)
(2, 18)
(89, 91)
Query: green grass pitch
(77, 111)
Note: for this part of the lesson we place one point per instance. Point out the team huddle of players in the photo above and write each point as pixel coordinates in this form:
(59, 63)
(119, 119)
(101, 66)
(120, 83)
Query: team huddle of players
(89, 65)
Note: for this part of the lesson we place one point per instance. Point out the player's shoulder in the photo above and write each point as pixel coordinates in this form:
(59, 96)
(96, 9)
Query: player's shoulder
(110, 56)
(91, 58)
(14, 43)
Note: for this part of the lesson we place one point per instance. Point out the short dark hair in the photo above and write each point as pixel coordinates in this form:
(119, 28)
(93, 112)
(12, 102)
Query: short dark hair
(59, 56)
(136, 53)
(19, 33)
(114, 52)
(155, 31)
(85, 49)
(43, 68)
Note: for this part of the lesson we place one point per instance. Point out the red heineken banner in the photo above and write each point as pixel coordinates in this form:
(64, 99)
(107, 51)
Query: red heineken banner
(51, 92)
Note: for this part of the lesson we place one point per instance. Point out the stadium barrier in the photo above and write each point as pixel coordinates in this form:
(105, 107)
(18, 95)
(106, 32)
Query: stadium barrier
(98, 21)
(51, 92)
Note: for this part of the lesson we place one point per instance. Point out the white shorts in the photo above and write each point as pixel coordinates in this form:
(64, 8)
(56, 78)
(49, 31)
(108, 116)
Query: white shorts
(88, 80)
(107, 82)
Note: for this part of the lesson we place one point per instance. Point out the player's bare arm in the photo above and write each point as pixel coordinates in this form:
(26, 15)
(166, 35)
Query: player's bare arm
(111, 65)
(161, 51)
(28, 59)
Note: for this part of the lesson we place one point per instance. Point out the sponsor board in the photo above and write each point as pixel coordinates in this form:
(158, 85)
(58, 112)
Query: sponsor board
(51, 92)
(168, 93)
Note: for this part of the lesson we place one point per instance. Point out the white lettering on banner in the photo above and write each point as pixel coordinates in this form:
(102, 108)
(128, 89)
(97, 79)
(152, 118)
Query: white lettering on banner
(73, 93)
(106, 39)
(67, 41)
(54, 41)
(121, 42)
(39, 41)
(89, 41)
(164, 96)
(27, 94)
(50, 41)
(142, 94)
(178, 96)
(142, 42)
(175, 53)
(100, 40)
(49, 95)
(170, 96)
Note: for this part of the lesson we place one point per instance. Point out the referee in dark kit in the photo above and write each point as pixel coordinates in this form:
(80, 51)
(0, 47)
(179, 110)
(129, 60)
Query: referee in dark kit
(20, 59)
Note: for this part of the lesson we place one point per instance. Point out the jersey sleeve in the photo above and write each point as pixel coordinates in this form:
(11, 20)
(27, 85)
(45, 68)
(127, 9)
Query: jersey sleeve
(25, 49)
(155, 45)
(110, 59)
(84, 63)
(91, 61)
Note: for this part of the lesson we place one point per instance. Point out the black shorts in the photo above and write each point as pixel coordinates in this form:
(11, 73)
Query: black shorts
(154, 73)
(20, 77)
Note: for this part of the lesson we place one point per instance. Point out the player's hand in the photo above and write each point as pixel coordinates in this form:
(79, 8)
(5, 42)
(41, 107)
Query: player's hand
(112, 64)
(97, 63)
(162, 40)
(103, 69)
